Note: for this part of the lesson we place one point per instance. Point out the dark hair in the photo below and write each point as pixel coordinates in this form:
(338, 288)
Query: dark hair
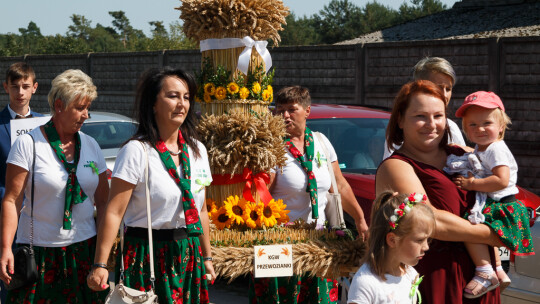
(381, 211)
(394, 134)
(294, 94)
(149, 85)
(20, 70)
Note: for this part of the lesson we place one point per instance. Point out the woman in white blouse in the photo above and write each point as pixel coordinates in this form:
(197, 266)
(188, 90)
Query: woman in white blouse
(176, 159)
(69, 179)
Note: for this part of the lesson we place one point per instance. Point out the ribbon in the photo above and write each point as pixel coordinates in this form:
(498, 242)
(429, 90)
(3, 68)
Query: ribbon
(245, 57)
(414, 289)
(260, 180)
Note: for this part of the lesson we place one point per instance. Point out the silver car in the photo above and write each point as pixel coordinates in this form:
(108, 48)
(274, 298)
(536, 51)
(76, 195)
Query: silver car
(110, 130)
(524, 272)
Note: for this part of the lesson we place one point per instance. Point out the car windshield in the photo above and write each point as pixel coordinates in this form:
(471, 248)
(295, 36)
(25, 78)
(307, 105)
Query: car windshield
(109, 134)
(359, 142)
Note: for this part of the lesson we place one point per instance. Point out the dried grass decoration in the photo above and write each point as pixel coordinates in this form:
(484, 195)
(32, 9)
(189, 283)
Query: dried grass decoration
(322, 252)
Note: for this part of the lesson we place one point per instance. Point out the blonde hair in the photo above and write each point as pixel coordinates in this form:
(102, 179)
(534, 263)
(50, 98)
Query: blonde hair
(70, 86)
(502, 117)
(381, 211)
(429, 65)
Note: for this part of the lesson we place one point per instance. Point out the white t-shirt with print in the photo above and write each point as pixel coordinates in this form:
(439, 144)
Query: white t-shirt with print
(498, 154)
(368, 288)
(165, 195)
(290, 185)
(50, 191)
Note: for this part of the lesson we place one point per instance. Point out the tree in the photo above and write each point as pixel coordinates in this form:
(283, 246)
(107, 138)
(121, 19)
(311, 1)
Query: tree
(81, 27)
(338, 21)
(299, 31)
(32, 30)
(376, 16)
(127, 34)
(420, 8)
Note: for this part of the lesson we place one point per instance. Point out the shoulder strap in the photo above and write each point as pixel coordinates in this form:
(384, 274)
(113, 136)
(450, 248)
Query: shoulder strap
(149, 225)
(32, 196)
(330, 168)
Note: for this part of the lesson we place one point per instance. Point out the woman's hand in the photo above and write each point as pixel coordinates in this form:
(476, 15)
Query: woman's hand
(362, 228)
(6, 265)
(210, 270)
(98, 279)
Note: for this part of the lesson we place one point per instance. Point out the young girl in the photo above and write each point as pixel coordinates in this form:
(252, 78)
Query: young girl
(484, 123)
(398, 238)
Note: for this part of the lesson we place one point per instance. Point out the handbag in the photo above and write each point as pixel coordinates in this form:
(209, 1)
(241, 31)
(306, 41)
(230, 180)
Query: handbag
(25, 268)
(333, 209)
(121, 293)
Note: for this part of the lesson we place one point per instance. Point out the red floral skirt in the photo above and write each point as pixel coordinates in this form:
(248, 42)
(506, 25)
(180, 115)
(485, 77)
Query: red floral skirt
(295, 289)
(178, 265)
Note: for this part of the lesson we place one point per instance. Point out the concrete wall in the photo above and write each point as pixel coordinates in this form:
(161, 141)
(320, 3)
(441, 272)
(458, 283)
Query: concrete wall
(369, 74)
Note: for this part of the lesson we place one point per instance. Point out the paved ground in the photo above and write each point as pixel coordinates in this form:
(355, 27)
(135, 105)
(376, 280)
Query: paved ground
(223, 293)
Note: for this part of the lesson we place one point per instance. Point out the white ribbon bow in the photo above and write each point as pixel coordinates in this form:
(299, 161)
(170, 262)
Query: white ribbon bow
(245, 56)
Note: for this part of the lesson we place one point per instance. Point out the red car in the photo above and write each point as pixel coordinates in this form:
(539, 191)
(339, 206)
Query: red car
(357, 134)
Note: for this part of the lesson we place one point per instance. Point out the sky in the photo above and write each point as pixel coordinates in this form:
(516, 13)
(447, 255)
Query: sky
(53, 16)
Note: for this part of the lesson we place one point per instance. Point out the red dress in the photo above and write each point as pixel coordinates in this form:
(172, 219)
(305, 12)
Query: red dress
(446, 267)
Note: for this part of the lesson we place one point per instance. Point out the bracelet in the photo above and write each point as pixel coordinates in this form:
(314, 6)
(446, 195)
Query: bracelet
(99, 265)
(208, 259)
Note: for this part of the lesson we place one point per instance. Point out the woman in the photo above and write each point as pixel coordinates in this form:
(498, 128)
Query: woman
(305, 168)
(64, 227)
(182, 252)
(418, 123)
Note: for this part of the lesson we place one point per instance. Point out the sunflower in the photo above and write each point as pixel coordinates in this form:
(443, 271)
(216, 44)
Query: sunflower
(207, 98)
(266, 95)
(270, 89)
(210, 205)
(283, 212)
(220, 219)
(244, 93)
(233, 88)
(269, 214)
(256, 87)
(251, 215)
(221, 93)
(209, 89)
(235, 208)
(197, 99)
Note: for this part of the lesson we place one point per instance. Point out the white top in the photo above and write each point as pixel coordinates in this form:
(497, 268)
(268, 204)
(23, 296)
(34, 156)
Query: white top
(498, 154)
(368, 288)
(50, 191)
(455, 137)
(165, 195)
(291, 182)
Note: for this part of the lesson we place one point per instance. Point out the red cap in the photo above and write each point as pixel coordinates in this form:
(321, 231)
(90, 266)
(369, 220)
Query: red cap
(488, 100)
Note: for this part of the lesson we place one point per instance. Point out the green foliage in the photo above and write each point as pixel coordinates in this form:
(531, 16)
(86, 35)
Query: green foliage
(299, 31)
(82, 37)
(420, 8)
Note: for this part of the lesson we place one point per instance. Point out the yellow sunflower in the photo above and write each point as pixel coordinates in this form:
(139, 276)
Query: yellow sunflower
(209, 89)
(266, 95)
(269, 214)
(233, 88)
(197, 99)
(221, 93)
(210, 205)
(256, 87)
(270, 89)
(235, 208)
(207, 98)
(244, 93)
(283, 212)
(251, 215)
(220, 219)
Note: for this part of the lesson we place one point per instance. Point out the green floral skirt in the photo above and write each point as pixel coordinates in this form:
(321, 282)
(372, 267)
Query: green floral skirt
(178, 266)
(295, 289)
(511, 223)
(62, 275)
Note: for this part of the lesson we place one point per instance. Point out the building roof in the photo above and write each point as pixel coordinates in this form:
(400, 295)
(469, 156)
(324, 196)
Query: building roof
(467, 19)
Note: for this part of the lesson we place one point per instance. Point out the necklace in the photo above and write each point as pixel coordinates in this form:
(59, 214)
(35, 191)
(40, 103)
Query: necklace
(174, 153)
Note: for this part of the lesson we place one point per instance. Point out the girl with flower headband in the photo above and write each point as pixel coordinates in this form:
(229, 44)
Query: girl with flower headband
(401, 226)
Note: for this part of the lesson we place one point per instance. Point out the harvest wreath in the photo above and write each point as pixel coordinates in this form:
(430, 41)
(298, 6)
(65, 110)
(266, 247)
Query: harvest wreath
(245, 141)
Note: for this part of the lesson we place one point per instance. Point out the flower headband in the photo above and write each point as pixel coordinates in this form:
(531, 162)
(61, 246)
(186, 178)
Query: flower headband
(406, 207)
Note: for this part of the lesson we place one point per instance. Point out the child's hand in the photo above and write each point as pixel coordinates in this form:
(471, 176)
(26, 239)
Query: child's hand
(465, 183)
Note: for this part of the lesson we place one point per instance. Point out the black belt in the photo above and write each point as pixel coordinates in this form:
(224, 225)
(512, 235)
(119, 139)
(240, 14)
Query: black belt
(508, 199)
(158, 234)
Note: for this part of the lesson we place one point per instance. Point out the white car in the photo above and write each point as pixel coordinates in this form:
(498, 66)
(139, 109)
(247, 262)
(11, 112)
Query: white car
(110, 130)
(524, 272)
